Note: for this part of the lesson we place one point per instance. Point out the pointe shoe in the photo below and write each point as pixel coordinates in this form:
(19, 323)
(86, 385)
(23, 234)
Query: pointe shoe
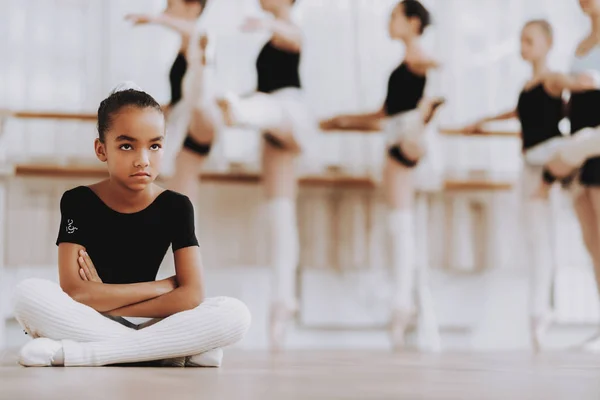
(400, 320)
(208, 359)
(39, 352)
(539, 328)
(590, 345)
(280, 318)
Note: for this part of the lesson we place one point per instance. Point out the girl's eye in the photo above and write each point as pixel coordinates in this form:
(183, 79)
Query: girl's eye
(125, 146)
(156, 147)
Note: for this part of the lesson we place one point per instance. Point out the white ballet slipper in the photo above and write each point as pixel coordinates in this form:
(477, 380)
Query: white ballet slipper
(39, 352)
(212, 358)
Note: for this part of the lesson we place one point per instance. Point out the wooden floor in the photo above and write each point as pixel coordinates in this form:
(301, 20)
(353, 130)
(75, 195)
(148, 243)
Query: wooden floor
(321, 375)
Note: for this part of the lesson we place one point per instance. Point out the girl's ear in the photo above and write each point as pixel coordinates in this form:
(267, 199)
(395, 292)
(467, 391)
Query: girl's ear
(100, 150)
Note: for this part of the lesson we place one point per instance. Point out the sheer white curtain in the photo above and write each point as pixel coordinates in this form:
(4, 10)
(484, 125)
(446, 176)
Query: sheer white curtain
(68, 54)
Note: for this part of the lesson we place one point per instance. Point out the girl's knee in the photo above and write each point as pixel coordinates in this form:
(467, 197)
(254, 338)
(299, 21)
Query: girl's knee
(234, 316)
(32, 288)
(27, 296)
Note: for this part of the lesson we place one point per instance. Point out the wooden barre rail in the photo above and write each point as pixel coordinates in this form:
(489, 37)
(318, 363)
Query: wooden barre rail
(476, 183)
(83, 116)
(56, 115)
(483, 133)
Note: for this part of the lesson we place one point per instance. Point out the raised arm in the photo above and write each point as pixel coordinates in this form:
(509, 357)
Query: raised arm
(100, 296)
(179, 25)
(558, 82)
(284, 34)
(359, 122)
(477, 126)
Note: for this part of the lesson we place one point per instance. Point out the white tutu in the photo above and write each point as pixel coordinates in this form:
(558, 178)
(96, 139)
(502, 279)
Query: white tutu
(261, 111)
(409, 126)
(303, 121)
(540, 154)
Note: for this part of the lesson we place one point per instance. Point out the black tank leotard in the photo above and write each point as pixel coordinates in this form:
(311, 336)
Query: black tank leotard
(405, 90)
(584, 112)
(539, 114)
(277, 69)
(178, 70)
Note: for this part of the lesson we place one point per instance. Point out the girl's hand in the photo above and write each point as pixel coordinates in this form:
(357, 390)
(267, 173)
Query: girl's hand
(333, 123)
(253, 24)
(87, 271)
(474, 128)
(140, 19)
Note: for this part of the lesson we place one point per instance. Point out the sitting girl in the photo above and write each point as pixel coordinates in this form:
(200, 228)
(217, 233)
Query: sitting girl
(113, 237)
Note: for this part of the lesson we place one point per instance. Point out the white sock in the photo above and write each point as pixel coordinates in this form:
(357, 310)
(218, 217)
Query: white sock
(284, 249)
(539, 247)
(41, 352)
(211, 358)
(402, 233)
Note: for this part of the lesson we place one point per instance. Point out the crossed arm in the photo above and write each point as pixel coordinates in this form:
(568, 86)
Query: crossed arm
(158, 299)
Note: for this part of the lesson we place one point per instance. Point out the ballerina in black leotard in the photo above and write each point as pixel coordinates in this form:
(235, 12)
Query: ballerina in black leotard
(188, 103)
(277, 110)
(540, 109)
(405, 113)
(581, 153)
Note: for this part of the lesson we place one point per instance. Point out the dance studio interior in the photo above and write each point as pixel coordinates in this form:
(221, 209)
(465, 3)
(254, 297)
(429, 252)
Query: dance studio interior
(279, 199)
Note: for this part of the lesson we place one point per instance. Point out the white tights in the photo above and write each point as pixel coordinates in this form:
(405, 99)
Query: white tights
(90, 339)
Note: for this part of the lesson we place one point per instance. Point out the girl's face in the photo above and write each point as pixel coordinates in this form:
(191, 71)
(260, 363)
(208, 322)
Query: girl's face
(590, 7)
(133, 147)
(182, 9)
(401, 27)
(535, 43)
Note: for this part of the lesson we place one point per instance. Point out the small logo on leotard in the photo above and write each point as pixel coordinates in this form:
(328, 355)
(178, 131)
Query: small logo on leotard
(70, 227)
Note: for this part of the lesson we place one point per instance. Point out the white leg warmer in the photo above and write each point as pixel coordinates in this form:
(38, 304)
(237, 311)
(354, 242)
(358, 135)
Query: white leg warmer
(284, 249)
(538, 229)
(402, 233)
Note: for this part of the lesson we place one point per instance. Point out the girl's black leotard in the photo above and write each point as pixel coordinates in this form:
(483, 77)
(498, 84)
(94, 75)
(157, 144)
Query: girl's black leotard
(277, 69)
(126, 248)
(178, 70)
(539, 114)
(584, 112)
(405, 90)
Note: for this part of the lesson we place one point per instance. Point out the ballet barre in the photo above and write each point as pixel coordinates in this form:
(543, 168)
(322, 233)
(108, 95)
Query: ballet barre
(482, 133)
(444, 131)
(56, 115)
(469, 182)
